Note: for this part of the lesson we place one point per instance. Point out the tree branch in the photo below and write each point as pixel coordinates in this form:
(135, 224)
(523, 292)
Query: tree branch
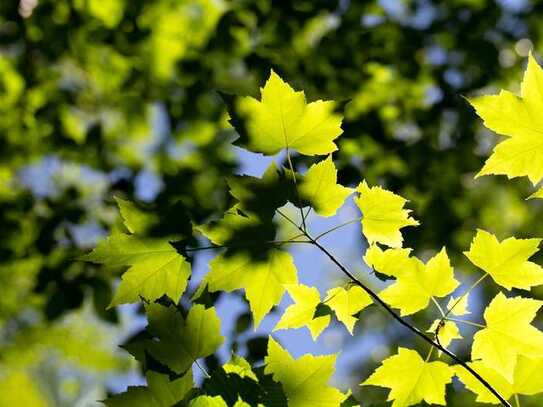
(406, 324)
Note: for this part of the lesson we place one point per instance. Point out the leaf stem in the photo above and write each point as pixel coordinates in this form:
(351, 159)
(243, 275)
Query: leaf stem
(466, 293)
(438, 306)
(304, 228)
(517, 400)
(429, 354)
(463, 321)
(338, 227)
(204, 371)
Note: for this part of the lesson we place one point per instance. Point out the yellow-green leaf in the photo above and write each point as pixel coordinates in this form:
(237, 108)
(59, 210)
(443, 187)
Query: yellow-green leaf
(180, 343)
(208, 401)
(301, 313)
(520, 120)
(411, 379)
(160, 392)
(319, 186)
(383, 215)
(156, 269)
(304, 380)
(283, 119)
(263, 281)
(506, 261)
(416, 283)
(508, 334)
(239, 366)
(527, 380)
(495, 379)
(537, 194)
(346, 303)
(135, 220)
(447, 332)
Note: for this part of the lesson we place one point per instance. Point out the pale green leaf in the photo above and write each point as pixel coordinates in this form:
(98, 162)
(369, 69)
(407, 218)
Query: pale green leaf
(180, 343)
(263, 281)
(508, 334)
(156, 269)
(506, 261)
(283, 119)
(411, 379)
(383, 215)
(300, 314)
(304, 380)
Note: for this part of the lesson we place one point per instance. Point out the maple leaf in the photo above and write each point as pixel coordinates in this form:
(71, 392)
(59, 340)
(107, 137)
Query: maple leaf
(300, 314)
(135, 220)
(416, 283)
(181, 342)
(156, 269)
(519, 119)
(383, 215)
(508, 334)
(320, 188)
(347, 302)
(411, 379)
(283, 119)
(263, 281)
(304, 380)
(507, 261)
(240, 366)
(208, 401)
(160, 392)
(527, 380)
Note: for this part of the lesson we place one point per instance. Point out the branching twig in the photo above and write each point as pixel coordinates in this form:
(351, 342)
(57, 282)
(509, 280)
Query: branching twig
(403, 322)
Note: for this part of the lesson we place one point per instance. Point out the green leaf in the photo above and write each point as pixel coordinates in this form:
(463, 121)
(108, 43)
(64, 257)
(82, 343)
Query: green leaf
(239, 366)
(411, 379)
(261, 196)
(506, 261)
(241, 233)
(320, 188)
(518, 118)
(180, 343)
(508, 334)
(383, 215)
(283, 119)
(346, 303)
(156, 269)
(135, 220)
(301, 313)
(304, 380)
(208, 401)
(416, 283)
(263, 281)
(160, 392)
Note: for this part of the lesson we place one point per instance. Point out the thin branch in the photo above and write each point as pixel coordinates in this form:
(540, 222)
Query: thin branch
(463, 321)
(236, 246)
(406, 324)
(337, 227)
(388, 309)
(204, 371)
(291, 221)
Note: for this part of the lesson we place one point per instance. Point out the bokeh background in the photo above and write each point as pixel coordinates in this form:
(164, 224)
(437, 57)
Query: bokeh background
(104, 98)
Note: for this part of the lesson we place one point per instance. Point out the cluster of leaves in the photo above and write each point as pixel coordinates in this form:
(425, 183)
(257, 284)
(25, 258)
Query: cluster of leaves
(506, 350)
(96, 96)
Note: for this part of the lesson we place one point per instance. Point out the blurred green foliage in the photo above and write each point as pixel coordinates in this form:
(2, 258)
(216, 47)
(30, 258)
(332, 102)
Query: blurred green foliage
(97, 97)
